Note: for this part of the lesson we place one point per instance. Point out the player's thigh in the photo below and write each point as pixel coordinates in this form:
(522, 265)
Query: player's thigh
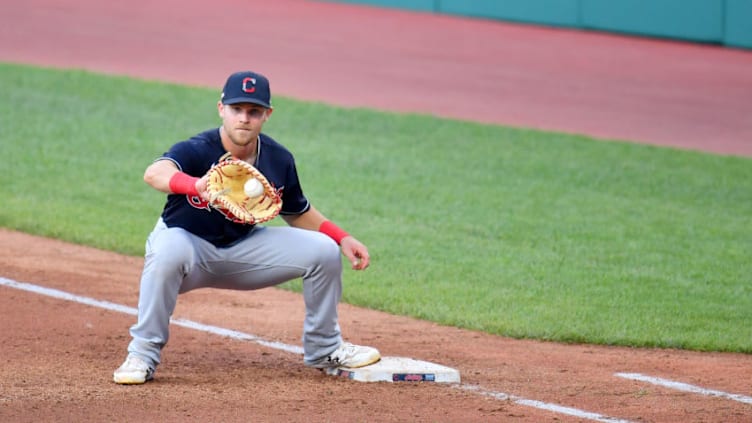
(169, 247)
(286, 246)
(269, 256)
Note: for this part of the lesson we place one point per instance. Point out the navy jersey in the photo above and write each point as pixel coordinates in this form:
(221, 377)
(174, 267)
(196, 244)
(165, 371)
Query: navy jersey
(197, 155)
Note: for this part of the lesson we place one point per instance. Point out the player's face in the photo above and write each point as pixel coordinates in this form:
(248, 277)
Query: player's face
(243, 121)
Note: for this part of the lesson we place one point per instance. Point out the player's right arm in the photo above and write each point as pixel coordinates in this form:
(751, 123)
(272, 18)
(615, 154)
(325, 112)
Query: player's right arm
(163, 175)
(159, 174)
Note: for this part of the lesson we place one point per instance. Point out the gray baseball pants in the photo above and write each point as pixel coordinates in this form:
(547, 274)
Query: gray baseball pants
(177, 261)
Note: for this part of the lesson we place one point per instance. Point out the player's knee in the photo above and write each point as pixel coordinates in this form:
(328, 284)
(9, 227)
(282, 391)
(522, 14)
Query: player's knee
(326, 253)
(171, 255)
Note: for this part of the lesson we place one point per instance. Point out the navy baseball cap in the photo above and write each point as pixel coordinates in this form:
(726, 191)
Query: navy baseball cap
(247, 87)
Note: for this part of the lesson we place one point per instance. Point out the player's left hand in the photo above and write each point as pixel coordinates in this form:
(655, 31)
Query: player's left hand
(356, 252)
(201, 187)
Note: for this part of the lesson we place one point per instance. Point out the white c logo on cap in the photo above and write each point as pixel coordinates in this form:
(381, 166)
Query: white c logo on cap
(252, 88)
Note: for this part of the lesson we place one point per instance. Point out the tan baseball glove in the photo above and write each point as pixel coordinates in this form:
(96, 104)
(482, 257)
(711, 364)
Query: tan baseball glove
(242, 192)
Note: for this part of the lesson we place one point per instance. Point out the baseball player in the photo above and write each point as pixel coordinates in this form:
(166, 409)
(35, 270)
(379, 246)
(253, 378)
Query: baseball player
(195, 246)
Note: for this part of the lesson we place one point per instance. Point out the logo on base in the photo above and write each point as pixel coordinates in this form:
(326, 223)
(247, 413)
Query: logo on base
(413, 377)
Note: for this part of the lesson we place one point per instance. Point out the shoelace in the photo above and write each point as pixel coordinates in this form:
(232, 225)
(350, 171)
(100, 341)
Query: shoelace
(137, 363)
(346, 349)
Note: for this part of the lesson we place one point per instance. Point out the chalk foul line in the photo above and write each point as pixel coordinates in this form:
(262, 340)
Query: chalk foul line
(542, 405)
(216, 330)
(680, 386)
(233, 334)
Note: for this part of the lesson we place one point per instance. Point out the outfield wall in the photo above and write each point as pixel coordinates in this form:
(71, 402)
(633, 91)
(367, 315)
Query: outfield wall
(724, 22)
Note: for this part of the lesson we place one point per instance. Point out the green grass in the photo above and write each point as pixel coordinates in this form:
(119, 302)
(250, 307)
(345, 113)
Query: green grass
(513, 232)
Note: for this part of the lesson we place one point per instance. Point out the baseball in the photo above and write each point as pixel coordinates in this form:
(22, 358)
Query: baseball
(253, 188)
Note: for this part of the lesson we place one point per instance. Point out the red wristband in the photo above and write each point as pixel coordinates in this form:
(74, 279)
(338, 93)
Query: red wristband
(333, 231)
(183, 183)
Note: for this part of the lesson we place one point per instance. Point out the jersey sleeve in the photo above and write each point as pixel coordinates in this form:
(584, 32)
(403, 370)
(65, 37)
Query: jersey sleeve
(293, 200)
(185, 157)
(196, 155)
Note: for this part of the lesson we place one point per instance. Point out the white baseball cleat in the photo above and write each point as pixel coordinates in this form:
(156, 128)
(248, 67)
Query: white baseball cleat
(134, 371)
(349, 355)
